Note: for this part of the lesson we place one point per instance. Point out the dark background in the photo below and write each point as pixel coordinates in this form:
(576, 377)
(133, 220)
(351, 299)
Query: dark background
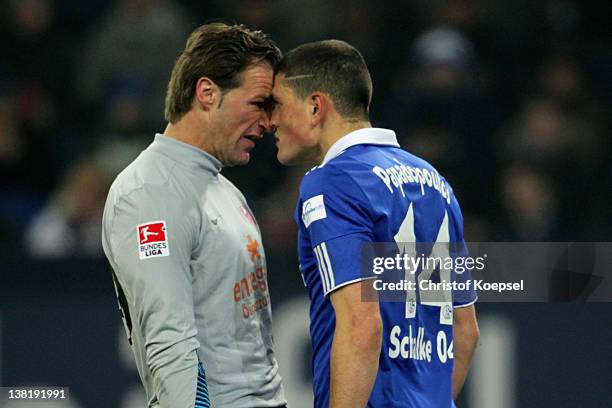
(509, 99)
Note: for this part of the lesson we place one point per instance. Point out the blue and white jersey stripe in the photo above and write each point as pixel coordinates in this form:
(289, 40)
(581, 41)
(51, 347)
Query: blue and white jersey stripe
(202, 399)
(325, 268)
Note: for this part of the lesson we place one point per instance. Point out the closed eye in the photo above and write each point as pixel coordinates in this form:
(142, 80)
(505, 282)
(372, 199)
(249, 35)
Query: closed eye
(268, 105)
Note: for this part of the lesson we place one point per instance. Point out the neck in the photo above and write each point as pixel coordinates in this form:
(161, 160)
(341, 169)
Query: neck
(188, 129)
(335, 130)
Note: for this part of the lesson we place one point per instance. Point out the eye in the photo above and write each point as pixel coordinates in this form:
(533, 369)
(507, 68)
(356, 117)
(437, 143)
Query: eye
(273, 104)
(260, 104)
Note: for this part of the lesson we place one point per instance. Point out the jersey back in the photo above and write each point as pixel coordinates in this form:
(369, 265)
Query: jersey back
(374, 194)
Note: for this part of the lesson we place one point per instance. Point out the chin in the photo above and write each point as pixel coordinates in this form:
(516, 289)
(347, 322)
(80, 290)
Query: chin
(242, 162)
(282, 159)
(287, 161)
(239, 161)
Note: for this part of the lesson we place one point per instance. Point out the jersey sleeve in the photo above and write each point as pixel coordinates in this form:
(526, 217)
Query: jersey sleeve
(459, 250)
(148, 237)
(337, 217)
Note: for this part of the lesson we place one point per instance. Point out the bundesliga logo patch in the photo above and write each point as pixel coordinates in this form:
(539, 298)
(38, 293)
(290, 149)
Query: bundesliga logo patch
(152, 240)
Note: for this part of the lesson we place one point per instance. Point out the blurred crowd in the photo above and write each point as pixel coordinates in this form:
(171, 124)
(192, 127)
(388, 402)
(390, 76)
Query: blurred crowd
(509, 99)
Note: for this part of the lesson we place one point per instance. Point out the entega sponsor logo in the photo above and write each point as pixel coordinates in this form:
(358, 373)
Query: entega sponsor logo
(417, 347)
(253, 286)
(249, 309)
(252, 289)
(252, 283)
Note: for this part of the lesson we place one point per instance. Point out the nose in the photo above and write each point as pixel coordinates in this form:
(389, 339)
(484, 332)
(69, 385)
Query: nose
(265, 122)
(273, 123)
(273, 128)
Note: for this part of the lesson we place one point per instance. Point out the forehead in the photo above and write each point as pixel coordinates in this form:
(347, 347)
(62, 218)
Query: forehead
(281, 89)
(257, 79)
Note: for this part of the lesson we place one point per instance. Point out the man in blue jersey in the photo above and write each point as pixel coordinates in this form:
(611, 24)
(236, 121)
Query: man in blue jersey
(366, 189)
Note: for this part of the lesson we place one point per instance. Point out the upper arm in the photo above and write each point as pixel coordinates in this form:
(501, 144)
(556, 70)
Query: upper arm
(337, 219)
(464, 320)
(356, 305)
(157, 285)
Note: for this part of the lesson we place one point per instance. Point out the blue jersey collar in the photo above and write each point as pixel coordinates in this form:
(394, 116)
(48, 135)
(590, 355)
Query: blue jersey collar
(375, 136)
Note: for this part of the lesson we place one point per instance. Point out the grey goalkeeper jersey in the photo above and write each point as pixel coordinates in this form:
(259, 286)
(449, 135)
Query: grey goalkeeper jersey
(190, 274)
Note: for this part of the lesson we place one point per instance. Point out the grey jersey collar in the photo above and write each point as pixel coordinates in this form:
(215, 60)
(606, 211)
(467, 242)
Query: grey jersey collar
(186, 154)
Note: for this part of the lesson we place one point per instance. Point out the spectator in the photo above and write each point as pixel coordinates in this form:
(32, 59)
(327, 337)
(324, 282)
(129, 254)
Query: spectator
(137, 42)
(530, 204)
(70, 223)
(36, 59)
(123, 136)
(27, 171)
(440, 108)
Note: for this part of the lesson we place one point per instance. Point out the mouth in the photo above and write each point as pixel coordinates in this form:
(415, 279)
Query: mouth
(252, 140)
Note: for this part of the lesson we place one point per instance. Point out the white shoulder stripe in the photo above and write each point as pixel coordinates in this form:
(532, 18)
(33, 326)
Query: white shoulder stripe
(327, 262)
(322, 270)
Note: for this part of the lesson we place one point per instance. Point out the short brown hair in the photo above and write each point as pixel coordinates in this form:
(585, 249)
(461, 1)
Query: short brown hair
(334, 67)
(220, 52)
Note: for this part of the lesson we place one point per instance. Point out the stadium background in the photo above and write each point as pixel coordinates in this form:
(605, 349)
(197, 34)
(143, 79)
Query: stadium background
(509, 99)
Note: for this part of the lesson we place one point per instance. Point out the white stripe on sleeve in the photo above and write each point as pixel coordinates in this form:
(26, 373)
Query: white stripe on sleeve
(327, 262)
(322, 270)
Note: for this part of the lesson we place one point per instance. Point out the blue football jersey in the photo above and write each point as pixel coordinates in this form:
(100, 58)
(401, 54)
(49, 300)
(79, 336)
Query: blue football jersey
(370, 190)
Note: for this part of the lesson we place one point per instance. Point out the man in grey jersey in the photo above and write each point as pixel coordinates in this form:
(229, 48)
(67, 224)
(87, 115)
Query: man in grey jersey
(189, 267)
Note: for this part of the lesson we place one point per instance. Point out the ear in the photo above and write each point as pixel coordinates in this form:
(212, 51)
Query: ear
(319, 105)
(206, 93)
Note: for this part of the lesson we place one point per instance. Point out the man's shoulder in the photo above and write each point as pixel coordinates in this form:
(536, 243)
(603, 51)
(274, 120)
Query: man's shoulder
(385, 156)
(144, 170)
(360, 160)
(374, 174)
(327, 177)
(228, 185)
(151, 176)
(356, 167)
(398, 168)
